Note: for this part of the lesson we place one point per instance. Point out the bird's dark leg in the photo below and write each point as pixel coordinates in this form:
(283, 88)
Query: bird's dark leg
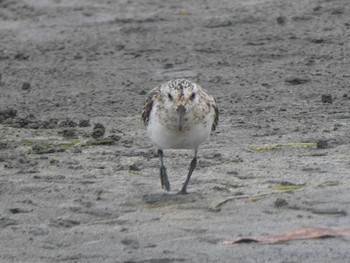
(163, 175)
(192, 167)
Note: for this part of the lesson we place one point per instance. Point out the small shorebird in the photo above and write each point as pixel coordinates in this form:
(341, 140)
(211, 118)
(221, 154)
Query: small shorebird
(179, 114)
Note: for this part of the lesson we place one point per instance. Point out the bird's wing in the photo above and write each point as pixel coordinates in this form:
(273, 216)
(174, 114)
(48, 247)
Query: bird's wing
(147, 108)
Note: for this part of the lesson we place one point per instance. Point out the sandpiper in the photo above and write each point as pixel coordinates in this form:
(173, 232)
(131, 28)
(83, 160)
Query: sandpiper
(179, 114)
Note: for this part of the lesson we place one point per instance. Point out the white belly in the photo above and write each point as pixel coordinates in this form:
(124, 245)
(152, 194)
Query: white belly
(189, 138)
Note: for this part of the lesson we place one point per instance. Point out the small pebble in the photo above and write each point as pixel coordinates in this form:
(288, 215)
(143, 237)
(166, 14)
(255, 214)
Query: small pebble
(98, 131)
(280, 202)
(69, 133)
(84, 123)
(281, 20)
(26, 86)
(296, 80)
(322, 144)
(327, 98)
(21, 56)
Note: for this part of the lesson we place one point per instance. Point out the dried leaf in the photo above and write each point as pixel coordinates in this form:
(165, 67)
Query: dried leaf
(282, 187)
(276, 146)
(183, 13)
(309, 232)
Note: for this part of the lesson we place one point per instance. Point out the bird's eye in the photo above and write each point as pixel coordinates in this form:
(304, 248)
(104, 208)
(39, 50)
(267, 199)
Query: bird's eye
(170, 96)
(193, 95)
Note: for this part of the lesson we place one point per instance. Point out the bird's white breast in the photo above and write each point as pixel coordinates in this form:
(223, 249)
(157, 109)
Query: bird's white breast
(165, 134)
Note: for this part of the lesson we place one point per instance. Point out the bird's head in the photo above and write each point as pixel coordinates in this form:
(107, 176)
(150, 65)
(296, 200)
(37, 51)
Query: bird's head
(180, 96)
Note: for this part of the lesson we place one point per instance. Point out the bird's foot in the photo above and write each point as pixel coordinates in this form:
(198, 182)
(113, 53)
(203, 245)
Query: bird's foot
(164, 179)
(183, 191)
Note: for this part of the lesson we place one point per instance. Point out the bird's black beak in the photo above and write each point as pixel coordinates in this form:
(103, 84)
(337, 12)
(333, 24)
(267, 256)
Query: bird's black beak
(181, 110)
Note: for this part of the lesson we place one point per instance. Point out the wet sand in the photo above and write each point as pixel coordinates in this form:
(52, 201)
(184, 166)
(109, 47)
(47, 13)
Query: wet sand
(79, 177)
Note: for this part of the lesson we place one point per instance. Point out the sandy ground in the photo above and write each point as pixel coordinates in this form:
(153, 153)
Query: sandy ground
(76, 71)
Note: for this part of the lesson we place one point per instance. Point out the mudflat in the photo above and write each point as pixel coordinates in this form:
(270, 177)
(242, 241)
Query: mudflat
(79, 178)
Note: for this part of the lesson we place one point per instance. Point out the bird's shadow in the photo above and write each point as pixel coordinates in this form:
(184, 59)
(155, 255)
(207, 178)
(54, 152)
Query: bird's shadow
(165, 199)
